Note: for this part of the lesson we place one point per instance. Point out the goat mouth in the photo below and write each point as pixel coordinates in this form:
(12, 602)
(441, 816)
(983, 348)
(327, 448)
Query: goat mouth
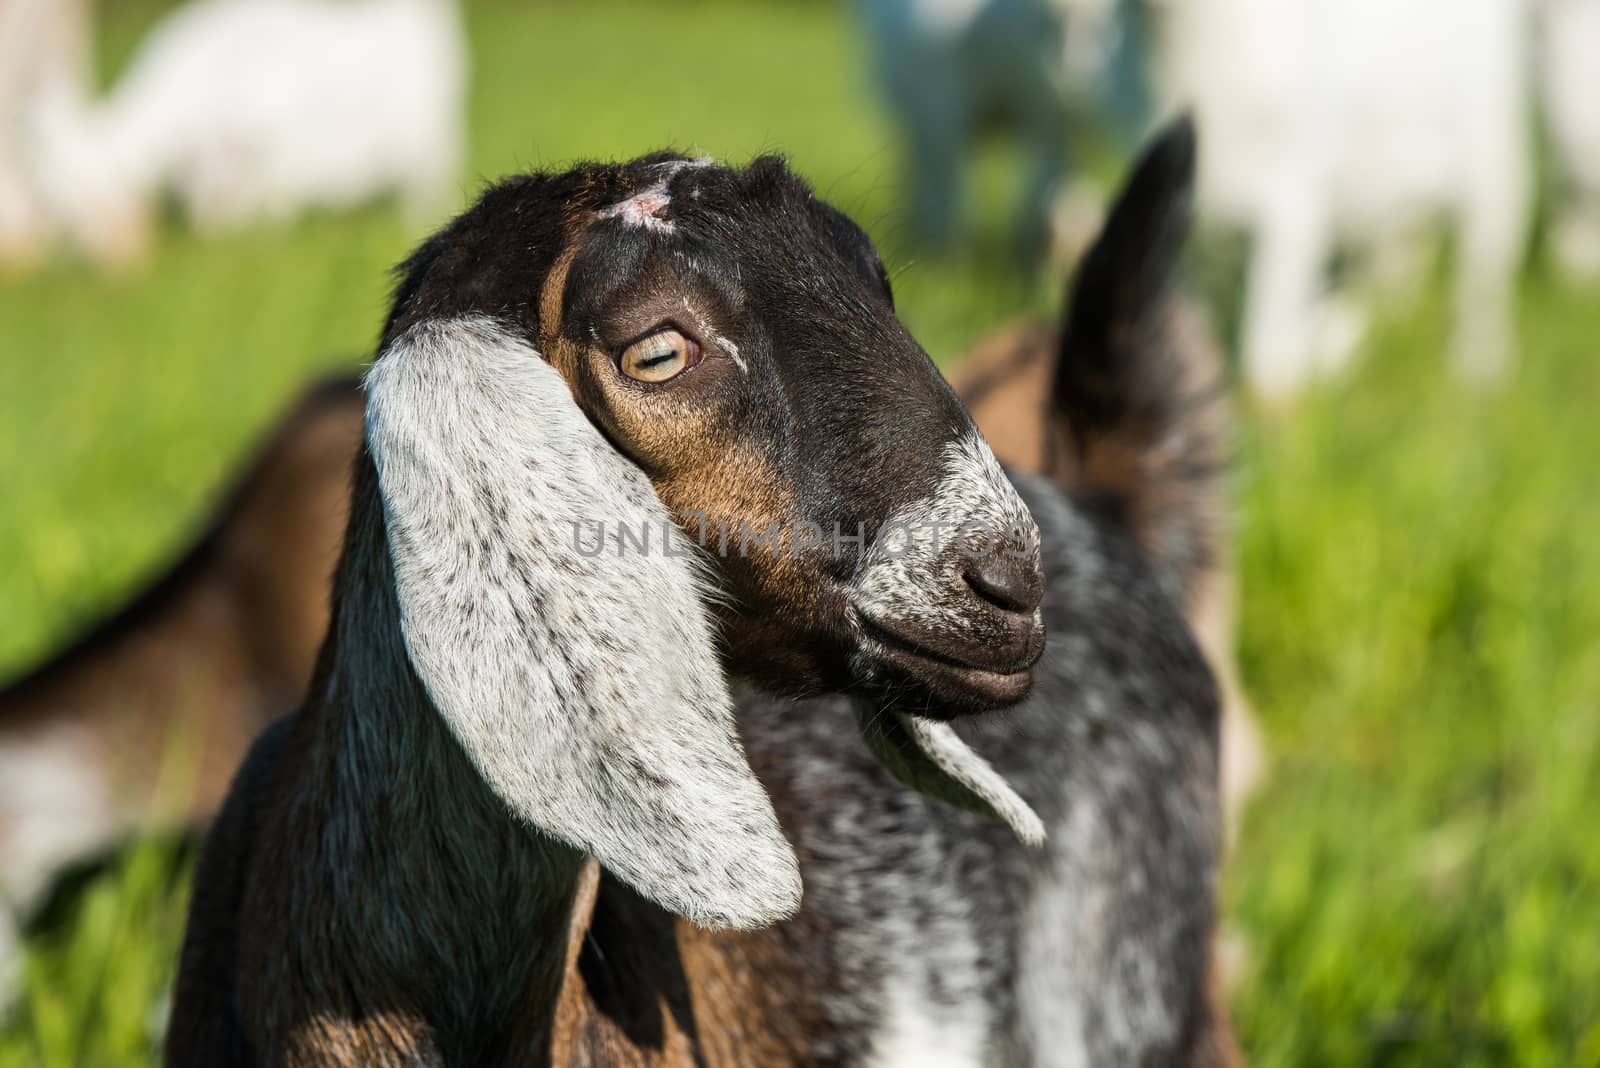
(957, 684)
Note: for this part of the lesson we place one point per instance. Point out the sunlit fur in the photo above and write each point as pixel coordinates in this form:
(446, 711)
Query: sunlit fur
(378, 888)
(585, 690)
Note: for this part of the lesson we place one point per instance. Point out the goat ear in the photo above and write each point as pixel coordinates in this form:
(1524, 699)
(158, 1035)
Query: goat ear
(581, 681)
(1127, 278)
(932, 759)
(1139, 399)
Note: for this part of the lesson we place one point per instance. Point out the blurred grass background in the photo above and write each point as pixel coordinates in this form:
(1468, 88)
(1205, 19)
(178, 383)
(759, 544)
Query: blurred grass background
(1419, 882)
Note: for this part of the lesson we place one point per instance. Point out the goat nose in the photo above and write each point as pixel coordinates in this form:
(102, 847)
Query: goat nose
(1006, 580)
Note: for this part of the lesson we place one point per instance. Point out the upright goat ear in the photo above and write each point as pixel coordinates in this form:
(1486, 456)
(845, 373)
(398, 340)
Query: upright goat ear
(1139, 398)
(580, 679)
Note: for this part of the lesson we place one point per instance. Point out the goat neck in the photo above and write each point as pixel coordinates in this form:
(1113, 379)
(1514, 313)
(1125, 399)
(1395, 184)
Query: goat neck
(411, 866)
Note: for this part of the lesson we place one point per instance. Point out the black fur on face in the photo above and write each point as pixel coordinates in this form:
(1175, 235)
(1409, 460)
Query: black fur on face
(808, 411)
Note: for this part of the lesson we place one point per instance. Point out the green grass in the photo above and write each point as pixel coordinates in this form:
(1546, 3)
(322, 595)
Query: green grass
(1422, 634)
(1419, 881)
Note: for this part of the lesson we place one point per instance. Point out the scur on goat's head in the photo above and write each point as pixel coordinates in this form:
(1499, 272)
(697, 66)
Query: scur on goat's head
(624, 409)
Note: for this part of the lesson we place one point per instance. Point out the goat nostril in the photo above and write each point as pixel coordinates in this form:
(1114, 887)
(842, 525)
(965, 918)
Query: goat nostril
(1006, 582)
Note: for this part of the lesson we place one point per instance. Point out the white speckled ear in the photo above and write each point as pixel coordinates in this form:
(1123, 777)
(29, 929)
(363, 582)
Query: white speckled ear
(930, 757)
(582, 681)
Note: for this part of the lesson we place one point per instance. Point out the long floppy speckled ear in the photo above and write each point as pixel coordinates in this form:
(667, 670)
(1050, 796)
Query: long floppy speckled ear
(931, 758)
(580, 679)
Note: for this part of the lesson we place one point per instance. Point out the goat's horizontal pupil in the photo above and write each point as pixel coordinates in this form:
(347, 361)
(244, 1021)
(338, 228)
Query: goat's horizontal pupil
(658, 358)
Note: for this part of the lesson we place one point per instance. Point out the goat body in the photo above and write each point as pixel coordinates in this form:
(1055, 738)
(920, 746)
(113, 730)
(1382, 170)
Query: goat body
(928, 935)
(386, 883)
(44, 50)
(1332, 121)
(1571, 39)
(258, 110)
(198, 663)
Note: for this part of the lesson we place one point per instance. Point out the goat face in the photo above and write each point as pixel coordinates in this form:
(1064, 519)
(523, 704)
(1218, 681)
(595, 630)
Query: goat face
(800, 435)
(585, 362)
(735, 339)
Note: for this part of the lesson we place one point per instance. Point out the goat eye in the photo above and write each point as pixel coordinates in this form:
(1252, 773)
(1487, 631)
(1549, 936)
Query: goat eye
(661, 356)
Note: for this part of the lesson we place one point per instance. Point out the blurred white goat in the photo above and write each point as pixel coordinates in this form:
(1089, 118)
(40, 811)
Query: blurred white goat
(44, 49)
(251, 110)
(1571, 40)
(1354, 121)
(946, 67)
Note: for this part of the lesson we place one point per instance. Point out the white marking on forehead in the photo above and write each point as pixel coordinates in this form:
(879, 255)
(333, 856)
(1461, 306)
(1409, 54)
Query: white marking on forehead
(642, 210)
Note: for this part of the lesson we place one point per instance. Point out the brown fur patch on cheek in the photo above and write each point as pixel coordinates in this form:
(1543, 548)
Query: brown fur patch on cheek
(568, 359)
(699, 468)
(745, 514)
(550, 297)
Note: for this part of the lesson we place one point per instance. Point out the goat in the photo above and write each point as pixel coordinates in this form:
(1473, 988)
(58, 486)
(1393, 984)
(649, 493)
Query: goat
(1570, 31)
(946, 66)
(519, 818)
(44, 49)
(194, 656)
(257, 110)
(1333, 121)
(143, 720)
